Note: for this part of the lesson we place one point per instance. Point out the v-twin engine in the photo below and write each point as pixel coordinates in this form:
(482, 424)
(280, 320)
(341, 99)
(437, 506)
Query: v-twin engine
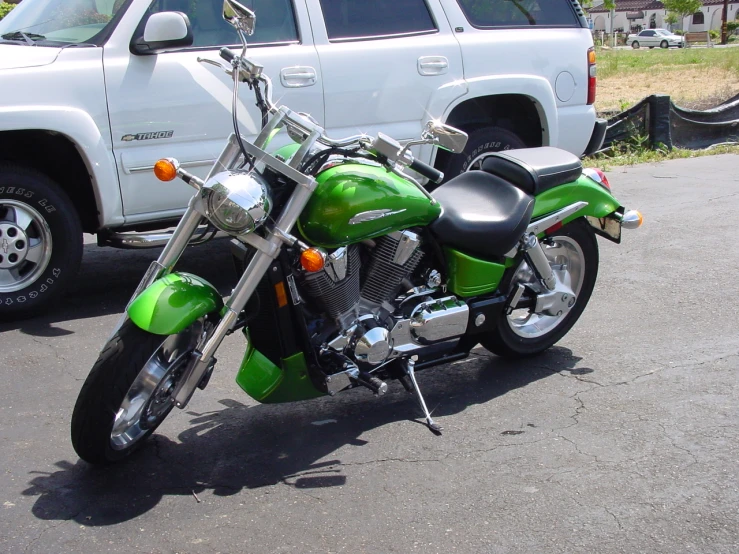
(370, 325)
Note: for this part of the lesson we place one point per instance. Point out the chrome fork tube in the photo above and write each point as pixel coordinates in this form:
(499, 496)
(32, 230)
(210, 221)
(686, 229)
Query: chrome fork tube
(267, 250)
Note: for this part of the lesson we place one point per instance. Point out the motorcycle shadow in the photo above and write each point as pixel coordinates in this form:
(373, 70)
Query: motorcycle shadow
(247, 447)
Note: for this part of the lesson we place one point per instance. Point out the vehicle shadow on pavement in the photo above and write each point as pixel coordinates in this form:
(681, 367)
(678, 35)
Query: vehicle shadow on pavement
(247, 447)
(108, 278)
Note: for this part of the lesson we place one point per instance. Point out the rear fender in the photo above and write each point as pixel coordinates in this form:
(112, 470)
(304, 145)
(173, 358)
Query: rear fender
(173, 302)
(601, 202)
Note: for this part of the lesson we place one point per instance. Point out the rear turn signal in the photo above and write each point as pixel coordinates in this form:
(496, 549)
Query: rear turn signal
(166, 169)
(632, 220)
(591, 75)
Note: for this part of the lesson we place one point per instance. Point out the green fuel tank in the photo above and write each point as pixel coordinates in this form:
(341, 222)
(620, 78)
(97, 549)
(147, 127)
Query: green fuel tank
(355, 201)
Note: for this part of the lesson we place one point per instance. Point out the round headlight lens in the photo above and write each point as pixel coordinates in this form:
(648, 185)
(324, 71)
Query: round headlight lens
(227, 214)
(237, 202)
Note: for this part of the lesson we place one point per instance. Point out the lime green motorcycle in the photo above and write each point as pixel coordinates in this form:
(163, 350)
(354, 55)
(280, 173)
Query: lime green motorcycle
(351, 273)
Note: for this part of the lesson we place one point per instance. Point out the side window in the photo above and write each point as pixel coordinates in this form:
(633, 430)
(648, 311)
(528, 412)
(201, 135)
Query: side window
(358, 19)
(519, 13)
(275, 21)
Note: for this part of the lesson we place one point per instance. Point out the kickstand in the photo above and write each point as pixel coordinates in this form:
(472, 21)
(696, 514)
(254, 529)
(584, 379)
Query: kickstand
(409, 370)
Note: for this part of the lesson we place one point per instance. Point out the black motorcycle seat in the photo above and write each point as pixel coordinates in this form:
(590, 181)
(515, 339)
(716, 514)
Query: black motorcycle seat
(534, 170)
(482, 214)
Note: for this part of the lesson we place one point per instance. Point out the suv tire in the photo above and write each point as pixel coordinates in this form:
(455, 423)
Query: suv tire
(40, 240)
(480, 144)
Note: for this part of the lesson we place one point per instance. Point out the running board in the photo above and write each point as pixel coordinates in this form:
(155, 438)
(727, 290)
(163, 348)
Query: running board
(540, 225)
(137, 241)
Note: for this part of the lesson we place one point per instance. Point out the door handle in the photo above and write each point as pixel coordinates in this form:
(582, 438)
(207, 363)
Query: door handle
(298, 76)
(433, 65)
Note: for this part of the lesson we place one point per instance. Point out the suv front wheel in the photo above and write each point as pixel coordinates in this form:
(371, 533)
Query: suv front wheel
(40, 240)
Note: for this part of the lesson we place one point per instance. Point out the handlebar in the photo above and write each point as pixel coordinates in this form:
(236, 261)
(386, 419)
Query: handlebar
(252, 72)
(427, 171)
(227, 54)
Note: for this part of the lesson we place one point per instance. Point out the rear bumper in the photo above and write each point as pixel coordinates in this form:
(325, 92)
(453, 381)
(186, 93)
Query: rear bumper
(596, 139)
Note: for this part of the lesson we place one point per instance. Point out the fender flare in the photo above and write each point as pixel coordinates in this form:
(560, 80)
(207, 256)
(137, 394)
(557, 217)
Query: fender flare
(538, 89)
(94, 148)
(173, 302)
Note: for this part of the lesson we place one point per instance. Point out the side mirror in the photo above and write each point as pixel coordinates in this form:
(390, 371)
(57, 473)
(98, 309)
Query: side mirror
(164, 31)
(445, 136)
(239, 16)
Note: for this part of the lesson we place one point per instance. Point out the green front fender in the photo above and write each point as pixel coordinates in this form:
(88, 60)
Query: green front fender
(173, 302)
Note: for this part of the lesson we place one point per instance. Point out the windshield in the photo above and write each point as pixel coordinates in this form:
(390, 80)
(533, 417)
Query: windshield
(59, 21)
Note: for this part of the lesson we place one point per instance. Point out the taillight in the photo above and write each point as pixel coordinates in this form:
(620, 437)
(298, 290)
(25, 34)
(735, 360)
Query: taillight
(591, 75)
(598, 176)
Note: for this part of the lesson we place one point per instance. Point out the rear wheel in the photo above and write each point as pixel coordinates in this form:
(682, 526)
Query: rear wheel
(129, 391)
(480, 145)
(573, 256)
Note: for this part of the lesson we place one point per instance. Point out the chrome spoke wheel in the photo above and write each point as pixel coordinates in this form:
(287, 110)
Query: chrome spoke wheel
(568, 264)
(25, 245)
(149, 398)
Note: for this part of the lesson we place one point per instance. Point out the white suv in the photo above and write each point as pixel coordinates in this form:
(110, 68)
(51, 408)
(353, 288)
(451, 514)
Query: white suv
(93, 95)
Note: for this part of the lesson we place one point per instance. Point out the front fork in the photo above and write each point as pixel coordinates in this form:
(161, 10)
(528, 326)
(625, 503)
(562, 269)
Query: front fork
(267, 250)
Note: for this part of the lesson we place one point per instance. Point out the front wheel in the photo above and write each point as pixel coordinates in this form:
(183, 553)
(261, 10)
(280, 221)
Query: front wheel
(129, 391)
(40, 241)
(635, 45)
(663, 44)
(573, 256)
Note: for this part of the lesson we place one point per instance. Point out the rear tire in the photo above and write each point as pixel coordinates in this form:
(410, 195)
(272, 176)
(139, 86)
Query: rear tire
(128, 392)
(524, 333)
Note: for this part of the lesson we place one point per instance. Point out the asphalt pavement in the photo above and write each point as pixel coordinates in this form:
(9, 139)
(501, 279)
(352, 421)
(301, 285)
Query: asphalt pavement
(622, 438)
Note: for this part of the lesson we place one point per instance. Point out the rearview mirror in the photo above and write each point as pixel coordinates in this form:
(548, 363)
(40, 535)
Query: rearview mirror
(445, 136)
(239, 16)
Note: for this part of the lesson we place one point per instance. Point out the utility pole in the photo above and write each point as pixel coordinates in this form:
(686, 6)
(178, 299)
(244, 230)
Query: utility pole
(613, 33)
(724, 19)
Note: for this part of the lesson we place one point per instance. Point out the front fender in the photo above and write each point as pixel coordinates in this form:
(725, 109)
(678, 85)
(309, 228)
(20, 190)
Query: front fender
(171, 303)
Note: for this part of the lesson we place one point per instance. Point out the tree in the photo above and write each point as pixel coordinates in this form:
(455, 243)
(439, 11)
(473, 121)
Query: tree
(682, 8)
(671, 18)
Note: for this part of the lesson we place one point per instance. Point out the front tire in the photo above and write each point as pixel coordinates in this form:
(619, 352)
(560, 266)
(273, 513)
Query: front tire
(128, 392)
(664, 44)
(573, 255)
(40, 241)
(635, 45)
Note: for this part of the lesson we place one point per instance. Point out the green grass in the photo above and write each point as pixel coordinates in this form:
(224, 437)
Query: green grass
(624, 62)
(634, 153)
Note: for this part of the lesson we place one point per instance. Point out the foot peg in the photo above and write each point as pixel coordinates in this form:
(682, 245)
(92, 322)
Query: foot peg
(409, 372)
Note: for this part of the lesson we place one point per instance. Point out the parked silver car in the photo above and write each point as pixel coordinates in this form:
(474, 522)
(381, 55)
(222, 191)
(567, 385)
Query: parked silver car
(655, 37)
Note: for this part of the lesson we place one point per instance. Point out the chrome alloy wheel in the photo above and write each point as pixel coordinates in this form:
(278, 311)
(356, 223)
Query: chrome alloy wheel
(25, 245)
(568, 263)
(149, 398)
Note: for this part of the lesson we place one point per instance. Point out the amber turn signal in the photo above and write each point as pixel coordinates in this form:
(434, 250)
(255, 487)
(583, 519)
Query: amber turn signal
(632, 220)
(165, 169)
(313, 260)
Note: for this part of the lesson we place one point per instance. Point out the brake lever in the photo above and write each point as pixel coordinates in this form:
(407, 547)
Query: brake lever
(219, 65)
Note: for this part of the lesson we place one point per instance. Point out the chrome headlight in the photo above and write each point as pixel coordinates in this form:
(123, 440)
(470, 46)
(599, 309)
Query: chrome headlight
(237, 202)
